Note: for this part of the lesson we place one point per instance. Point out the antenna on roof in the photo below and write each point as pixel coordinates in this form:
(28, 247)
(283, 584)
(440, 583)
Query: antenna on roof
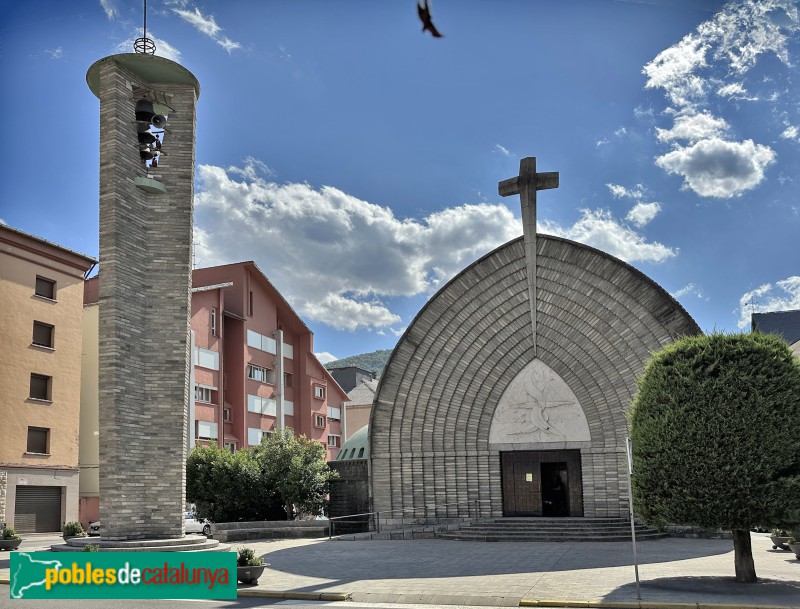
(144, 44)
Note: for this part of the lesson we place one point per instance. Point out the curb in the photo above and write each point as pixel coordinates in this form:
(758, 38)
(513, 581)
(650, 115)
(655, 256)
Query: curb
(640, 605)
(297, 596)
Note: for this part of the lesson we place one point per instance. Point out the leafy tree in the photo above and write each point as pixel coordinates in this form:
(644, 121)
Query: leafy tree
(227, 487)
(295, 468)
(284, 475)
(713, 430)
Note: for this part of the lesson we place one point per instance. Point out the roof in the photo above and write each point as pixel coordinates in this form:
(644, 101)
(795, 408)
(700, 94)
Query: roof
(785, 324)
(363, 393)
(68, 256)
(357, 447)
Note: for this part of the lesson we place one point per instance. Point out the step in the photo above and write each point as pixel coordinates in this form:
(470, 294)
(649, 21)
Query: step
(533, 538)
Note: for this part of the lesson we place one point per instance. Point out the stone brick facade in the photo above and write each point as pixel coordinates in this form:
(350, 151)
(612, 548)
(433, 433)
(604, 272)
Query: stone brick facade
(145, 253)
(598, 321)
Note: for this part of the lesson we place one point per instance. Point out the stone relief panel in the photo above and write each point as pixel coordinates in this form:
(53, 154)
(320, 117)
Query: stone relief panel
(538, 407)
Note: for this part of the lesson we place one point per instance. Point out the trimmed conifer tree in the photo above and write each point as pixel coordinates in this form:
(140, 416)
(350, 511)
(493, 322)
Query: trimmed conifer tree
(714, 427)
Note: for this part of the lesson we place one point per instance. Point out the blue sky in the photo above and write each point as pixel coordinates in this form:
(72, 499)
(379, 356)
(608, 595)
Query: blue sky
(356, 160)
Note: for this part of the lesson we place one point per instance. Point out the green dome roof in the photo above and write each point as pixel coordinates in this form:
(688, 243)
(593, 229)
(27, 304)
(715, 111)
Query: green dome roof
(357, 447)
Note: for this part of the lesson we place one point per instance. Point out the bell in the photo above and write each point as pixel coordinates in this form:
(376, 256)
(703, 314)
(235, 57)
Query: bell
(145, 153)
(144, 110)
(146, 136)
(159, 121)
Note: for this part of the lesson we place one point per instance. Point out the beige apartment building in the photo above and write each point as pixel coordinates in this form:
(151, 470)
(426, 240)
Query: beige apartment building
(41, 296)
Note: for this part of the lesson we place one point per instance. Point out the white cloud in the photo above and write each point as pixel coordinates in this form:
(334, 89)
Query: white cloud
(502, 150)
(2, 221)
(620, 132)
(784, 295)
(619, 192)
(599, 229)
(730, 43)
(673, 70)
(109, 6)
(601, 142)
(336, 258)
(694, 127)
(718, 168)
(790, 133)
(690, 289)
(163, 48)
(57, 53)
(326, 357)
(206, 24)
(643, 213)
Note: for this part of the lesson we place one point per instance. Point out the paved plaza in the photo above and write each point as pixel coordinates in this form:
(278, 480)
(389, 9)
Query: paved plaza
(504, 574)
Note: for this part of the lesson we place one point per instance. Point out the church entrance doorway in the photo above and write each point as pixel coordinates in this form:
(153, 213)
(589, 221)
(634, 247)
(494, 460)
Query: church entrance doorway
(542, 483)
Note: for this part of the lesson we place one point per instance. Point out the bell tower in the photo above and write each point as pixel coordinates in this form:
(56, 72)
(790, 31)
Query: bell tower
(147, 157)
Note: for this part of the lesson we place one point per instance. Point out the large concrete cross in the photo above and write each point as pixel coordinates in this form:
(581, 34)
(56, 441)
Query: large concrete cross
(525, 185)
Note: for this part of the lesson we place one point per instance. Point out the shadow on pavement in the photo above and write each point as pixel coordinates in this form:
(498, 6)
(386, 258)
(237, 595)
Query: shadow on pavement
(712, 590)
(437, 559)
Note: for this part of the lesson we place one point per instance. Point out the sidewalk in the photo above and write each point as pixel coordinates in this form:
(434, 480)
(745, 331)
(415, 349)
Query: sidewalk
(686, 571)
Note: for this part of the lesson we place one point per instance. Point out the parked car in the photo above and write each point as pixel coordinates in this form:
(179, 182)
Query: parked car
(192, 525)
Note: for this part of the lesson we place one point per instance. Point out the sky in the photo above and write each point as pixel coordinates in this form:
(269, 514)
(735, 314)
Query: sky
(356, 159)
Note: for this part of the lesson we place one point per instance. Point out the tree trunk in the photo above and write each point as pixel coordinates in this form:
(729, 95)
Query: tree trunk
(743, 557)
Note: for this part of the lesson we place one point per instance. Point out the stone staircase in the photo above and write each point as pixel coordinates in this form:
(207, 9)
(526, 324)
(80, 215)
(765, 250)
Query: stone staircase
(552, 529)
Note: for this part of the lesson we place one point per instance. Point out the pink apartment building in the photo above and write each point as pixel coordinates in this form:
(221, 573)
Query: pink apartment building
(254, 364)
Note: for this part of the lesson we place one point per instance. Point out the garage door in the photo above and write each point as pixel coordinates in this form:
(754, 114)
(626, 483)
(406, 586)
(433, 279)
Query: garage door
(38, 509)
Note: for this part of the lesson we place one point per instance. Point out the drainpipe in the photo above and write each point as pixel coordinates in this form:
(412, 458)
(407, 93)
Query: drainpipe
(279, 409)
(190, 439)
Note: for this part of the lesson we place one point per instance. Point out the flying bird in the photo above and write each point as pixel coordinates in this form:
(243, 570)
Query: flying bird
(424, 12)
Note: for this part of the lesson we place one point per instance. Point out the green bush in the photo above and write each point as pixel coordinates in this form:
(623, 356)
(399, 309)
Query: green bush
(73, 528)
(267, 482)
(709, 426)
(91, 547)
(10, 533)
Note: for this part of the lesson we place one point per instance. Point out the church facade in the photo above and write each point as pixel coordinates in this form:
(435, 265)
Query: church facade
(494, 403)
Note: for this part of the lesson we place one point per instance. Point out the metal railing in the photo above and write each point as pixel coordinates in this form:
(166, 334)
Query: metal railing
(426, 508)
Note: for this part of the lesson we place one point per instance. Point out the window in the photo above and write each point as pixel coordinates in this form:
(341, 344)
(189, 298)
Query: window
(46, 288)
(319, 392)
(288, 351)
(227, 416)
(250, 305)
(42, 334)
(38, 440)
(202, 394)
(288, 379)
(261, 405)
(40, 387)
(288, 408)
(231, 446)
(205, 358)
(255, 434)
(334, 441)
(263, 375)
(334, 413)
(213, 322)
(361, 453)
(205, 430)
(319, 421)
(259, 341)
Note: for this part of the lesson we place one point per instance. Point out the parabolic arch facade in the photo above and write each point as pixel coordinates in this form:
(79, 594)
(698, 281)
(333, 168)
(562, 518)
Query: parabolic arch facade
(467, 415)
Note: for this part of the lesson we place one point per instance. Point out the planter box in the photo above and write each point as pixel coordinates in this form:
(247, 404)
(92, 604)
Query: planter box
(250, 573)
(9, 544)
(779, 542)
(795, 547)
